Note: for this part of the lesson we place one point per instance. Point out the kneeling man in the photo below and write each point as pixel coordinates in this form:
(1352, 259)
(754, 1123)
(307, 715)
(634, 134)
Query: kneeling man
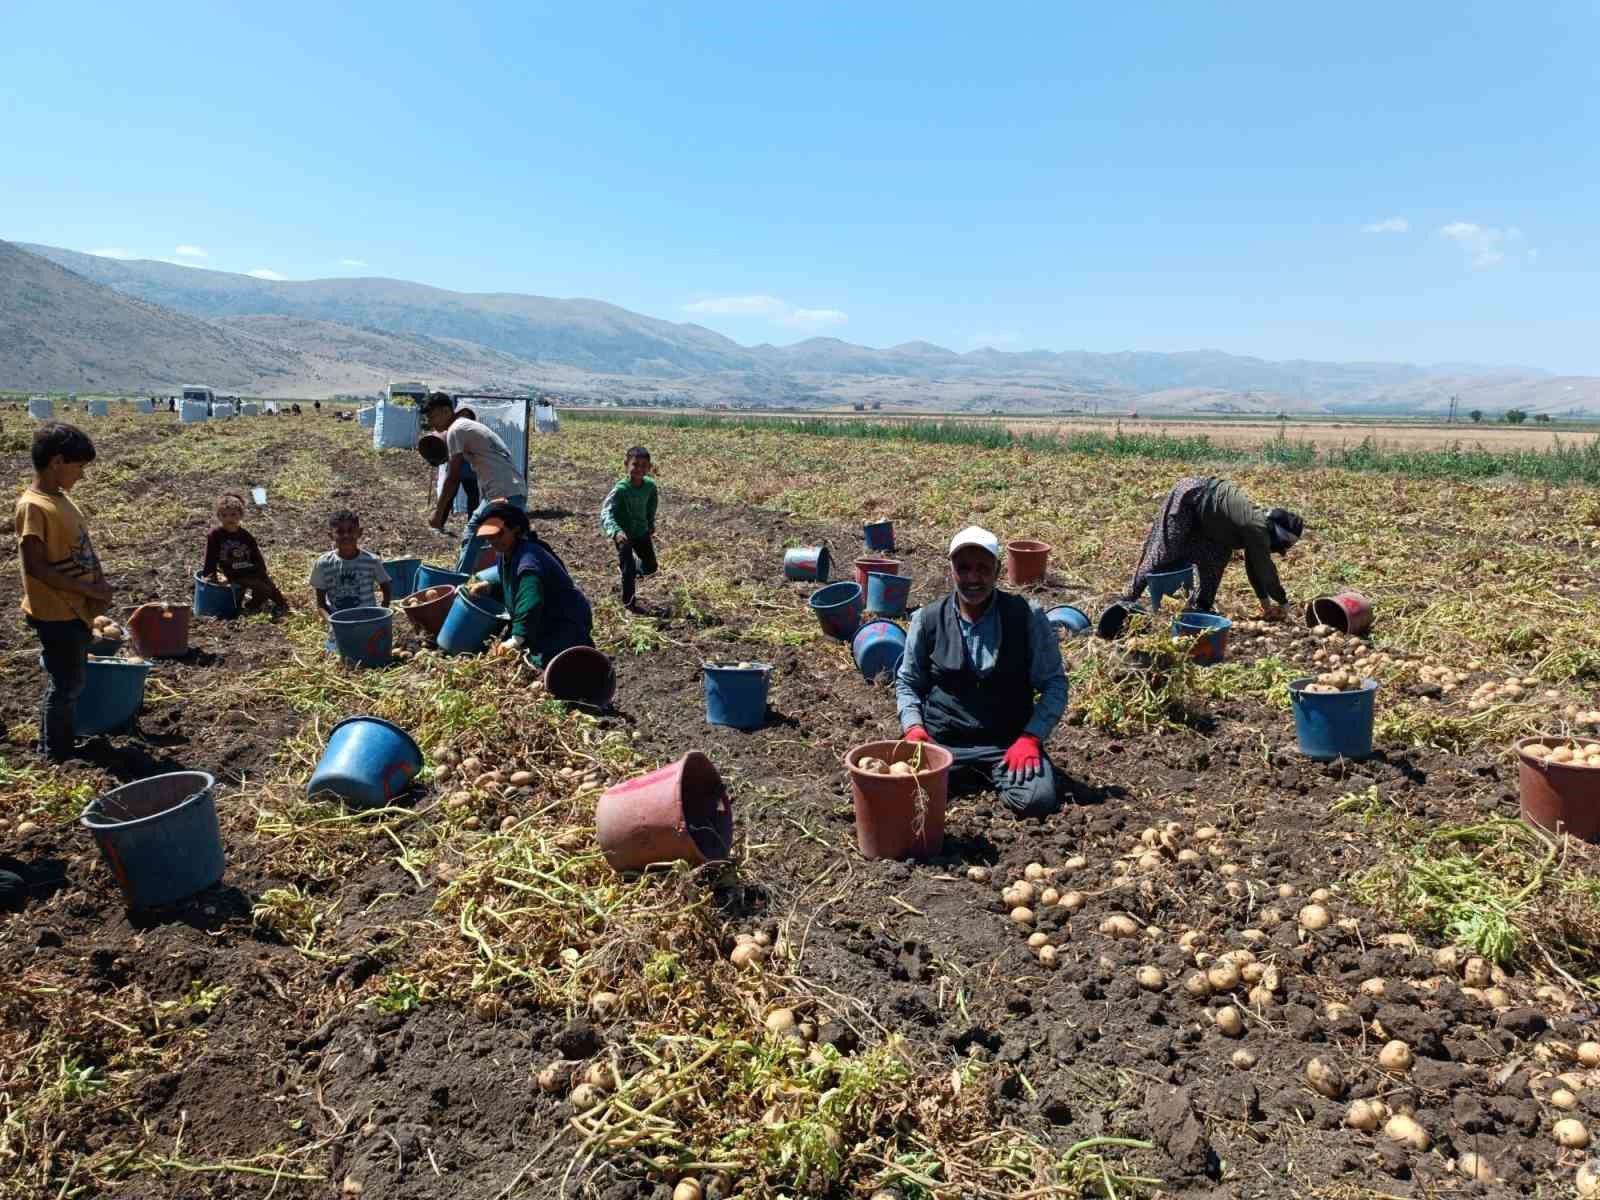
(982, 677)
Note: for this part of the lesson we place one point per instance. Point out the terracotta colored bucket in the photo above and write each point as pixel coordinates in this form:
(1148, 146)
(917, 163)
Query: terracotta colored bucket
(677, 813)
(160, 630)
(1559, 797)
(1026, 561)
(427, 609)
(1347, 611)
(900, 816)
(865, 566)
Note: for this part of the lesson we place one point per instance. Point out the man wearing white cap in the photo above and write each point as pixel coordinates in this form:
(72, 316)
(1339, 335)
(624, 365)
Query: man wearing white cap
(974, 663)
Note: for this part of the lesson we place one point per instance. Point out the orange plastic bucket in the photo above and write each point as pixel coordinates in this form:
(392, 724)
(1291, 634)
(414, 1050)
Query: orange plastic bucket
(900, 816)
(1026, 561)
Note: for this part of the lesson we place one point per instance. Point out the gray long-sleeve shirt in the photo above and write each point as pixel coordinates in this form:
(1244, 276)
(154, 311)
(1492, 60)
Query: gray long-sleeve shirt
(981, 639)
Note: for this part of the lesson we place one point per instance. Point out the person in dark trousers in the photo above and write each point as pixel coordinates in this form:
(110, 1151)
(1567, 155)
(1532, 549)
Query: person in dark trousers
(1203, 521)
(628, 518)
(63, 586)
(233, 551)
(548, 612)
(982, 677)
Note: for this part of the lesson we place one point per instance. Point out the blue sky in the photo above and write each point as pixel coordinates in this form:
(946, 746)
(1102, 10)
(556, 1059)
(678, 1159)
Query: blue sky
(1360, 181)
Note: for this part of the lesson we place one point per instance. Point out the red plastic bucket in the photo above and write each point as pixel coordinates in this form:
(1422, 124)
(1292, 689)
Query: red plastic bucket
(160, 630)
(677, 813)
(1026, 561)
(1559, 797)
(884, 566)
(900, 816)
(1347, 611)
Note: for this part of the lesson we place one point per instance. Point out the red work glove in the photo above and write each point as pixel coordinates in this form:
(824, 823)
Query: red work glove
(1025, 759)
(916, 734)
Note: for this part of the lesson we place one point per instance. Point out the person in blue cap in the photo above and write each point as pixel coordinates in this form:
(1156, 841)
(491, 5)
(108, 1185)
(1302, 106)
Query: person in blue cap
(982, 677)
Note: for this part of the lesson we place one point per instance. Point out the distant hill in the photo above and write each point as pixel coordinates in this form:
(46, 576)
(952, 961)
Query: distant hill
(154, 320)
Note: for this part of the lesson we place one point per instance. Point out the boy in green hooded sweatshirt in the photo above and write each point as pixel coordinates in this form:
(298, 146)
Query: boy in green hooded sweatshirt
(628, 518)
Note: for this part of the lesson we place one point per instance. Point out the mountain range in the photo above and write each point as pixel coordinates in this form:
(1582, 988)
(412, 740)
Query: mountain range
(74, 321)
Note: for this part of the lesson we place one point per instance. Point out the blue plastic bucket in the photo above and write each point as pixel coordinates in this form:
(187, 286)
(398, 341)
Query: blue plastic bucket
(367, 762)
(838, 609)
(1335, 724)
(1169, 583)
(402, 576)
(1212, 632)
(737, 695)
(159, 836)
(219, 600)
(428, 577)
(809, 563)
(469, 625)
(887, 594)
(878, 535)
(878, 646)
(1068, 619)
(489, 574)
(113, 694)
(364, 636)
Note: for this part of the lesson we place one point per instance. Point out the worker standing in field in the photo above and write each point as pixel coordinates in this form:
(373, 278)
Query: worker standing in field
(471, 442)
(1203, 521)
(982, 677)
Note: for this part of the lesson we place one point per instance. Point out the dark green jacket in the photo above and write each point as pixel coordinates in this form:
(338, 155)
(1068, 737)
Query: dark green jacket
(630, 510)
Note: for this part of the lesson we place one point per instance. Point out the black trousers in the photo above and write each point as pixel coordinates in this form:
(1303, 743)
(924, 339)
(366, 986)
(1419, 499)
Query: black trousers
(66, 665)
(636, 557)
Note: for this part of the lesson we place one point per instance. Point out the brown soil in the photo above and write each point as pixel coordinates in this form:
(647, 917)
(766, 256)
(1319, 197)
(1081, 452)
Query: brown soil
(437, 1103)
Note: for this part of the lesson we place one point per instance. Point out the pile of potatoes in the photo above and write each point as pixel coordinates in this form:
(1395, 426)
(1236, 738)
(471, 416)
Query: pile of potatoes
(1335, 681)
(107, 630)
(1572, 754)
(877, 766)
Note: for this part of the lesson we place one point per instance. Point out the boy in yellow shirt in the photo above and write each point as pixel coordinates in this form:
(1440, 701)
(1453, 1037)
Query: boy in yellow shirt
(63, 587)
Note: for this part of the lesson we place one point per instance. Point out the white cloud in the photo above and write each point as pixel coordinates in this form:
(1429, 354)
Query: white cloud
(352, 262)
(263, 273)
(1486, 244)
(1388, 225)
(779, 312)
(813, 318)
(112, 252)
(187, 251)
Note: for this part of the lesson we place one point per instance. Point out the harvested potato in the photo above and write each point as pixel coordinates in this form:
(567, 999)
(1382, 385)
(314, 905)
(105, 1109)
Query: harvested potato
(1395, 1056)
(1405, 1130)
(1325, 1077)
(1229, 1022)
(1571, 1133)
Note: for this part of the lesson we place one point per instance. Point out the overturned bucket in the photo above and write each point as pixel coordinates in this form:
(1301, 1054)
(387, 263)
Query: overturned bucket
(364, 636)
(736, 694)
(581, 675)
(838, 608)
(677, 813)
(877, 647)
(159, 836)
(1347, 611)
(367, 763)
(1068, 619)
(878, 535)
(809, 564)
